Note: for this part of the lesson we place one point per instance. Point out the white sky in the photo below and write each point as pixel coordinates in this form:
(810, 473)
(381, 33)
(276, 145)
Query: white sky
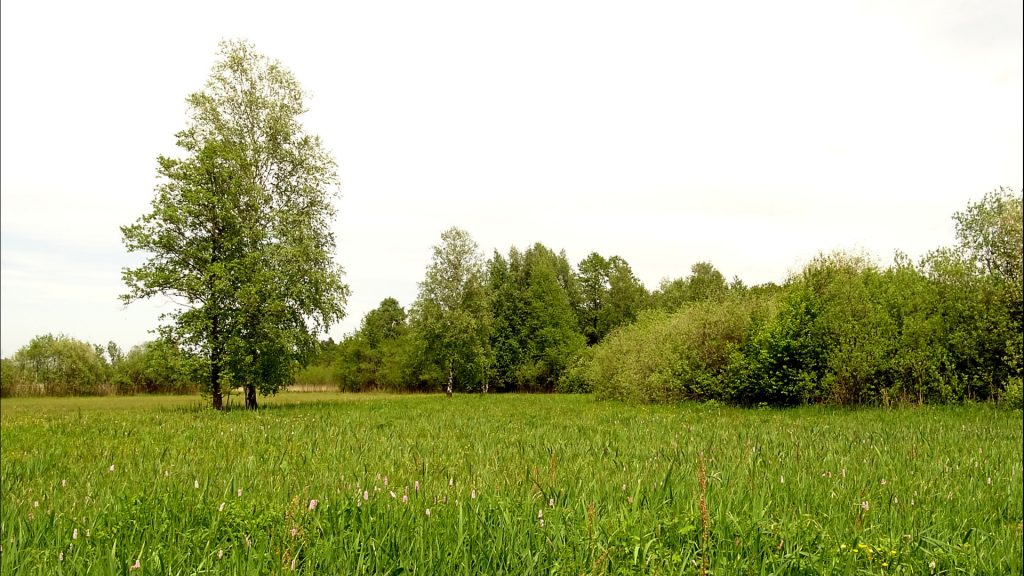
(749, 134)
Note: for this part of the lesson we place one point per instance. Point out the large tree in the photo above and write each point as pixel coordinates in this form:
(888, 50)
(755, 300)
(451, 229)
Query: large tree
(451, 316)
(239, 234)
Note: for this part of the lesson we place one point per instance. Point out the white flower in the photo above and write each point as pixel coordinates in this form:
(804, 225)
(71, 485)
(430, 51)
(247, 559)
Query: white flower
(196, 484)
(865, 505)
(221, 508)
(428, 511)
(74, 534)
(551, 502)
(239, 492)
(111, 469)
(313, 504)
(472, 494)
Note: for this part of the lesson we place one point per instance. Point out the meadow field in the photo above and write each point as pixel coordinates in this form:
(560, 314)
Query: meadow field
(323, 483)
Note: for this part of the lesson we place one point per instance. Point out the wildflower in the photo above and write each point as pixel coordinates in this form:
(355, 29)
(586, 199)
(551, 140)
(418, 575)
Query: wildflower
(989, 481)
(405, 498)
(35, 504)
(239, 492)
(111, 469)
(312, 505)
(895, 500)
(60, 556)
(540, 513)
(64, 483)
(844, 472)
(417, 485)
(629, 499)
(883, 482)
(88, 532)
(220, 554)
(136, 566)
(74, 534)
(472, 494)
(196, 484)
(541, 522)
(221, 508)
(385, 481)
(782, 479)
(428, 511)
(366, 495)
(294, 531)
(551, 502)
(392, 493)
(865, 505)
(842, 547)
(451, 481)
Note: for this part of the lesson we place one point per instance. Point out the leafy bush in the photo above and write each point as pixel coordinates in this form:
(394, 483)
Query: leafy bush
(154, 367)
(672, 357)
(58, 366)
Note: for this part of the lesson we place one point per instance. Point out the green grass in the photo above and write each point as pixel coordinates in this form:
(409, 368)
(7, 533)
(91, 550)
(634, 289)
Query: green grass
(507, 485)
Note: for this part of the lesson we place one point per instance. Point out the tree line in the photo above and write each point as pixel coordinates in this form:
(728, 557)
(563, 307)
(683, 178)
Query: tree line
(843, 330)
(239, 236)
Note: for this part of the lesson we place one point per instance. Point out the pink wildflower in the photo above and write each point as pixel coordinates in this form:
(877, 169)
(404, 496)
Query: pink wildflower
(405, 498)
(136, 566)
(366, 495)
(312, 505)
(417, 485)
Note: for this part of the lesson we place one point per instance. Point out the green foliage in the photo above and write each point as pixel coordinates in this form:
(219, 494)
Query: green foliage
(610, 296)
(157, 367)
(514, 484)
(56, 366)
(705, 282)
(451, 316)
(239, 231)
(673, 357)
(534, 333)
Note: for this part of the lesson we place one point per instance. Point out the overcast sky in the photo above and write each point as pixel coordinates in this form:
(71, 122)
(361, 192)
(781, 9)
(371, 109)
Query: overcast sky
(749, 134)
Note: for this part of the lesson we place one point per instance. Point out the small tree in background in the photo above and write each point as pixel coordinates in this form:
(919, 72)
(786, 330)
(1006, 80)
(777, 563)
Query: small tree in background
(451, 316)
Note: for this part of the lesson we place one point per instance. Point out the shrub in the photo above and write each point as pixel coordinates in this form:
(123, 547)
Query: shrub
(672, 357)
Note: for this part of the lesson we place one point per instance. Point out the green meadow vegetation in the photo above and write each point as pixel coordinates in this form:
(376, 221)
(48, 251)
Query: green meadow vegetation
(509, 484)
(857, 418)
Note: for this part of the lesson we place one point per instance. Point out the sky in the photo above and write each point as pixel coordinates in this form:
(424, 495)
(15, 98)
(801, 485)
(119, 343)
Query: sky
(752, 135)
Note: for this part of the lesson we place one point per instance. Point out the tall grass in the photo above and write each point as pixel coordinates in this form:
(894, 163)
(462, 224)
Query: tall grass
(505, 485)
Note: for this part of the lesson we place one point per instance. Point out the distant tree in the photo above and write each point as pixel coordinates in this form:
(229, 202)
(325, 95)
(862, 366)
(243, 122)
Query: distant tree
(239, 234)
(157, 366)
(534, 331)
(451, 316)
(59, 365)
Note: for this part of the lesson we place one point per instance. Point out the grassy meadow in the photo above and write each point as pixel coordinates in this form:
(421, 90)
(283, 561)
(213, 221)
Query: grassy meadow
(515, 484)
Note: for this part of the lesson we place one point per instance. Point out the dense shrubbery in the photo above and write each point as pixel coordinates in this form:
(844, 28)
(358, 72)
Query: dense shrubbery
(62, 366)
(671, 357)
(845, 331)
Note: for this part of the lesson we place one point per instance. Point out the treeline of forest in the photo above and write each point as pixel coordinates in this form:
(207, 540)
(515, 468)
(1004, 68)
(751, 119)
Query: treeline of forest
(62, 366)
(843, 330)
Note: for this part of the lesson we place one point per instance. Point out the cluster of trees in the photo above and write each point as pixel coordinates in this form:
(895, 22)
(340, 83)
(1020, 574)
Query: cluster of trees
(62, 366)
(516, 322)
(511, 323)
(843, 330)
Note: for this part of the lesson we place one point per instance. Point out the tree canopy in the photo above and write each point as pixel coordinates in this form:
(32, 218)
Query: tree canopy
(239, 234)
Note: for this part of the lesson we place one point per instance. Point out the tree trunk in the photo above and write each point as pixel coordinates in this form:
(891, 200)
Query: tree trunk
(450, 377)
(218, 399)
(250, 397)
